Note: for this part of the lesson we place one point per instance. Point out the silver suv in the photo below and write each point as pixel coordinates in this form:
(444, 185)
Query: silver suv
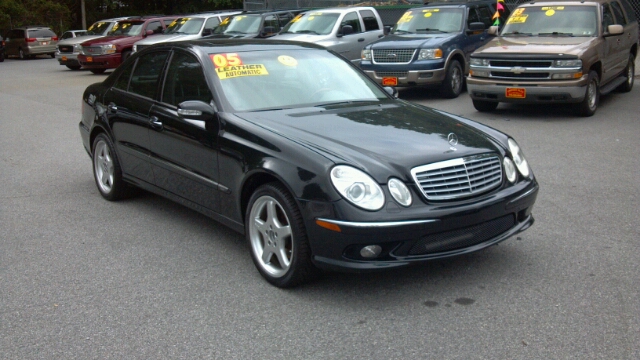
(29, 41)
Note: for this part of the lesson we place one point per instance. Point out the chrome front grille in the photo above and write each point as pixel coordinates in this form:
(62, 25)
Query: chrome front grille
(65, 49)
(399, 74)
(523, 69)
(458, 178)
(393, 56)
(91, 50)
(522, 63)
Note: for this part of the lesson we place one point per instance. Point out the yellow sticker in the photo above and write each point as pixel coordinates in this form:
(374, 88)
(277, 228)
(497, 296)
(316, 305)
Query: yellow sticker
(518, 12)
(430, 10)
(287, 60)
(427, 14)
(544, 8)
(550, 12)
(316, 14)
(297, 18)
(406, 17)
(517, 19)
(242, 70)
(239, 18)
(311, 18)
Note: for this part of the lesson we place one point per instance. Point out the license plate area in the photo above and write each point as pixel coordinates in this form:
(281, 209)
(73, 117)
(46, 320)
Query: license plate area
(389, 81)
(515, 93)
(89, 59)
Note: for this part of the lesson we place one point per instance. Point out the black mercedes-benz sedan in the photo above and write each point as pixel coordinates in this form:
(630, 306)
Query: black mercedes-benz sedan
(296, 148)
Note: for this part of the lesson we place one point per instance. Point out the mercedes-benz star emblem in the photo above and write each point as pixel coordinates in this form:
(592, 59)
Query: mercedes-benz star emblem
(453, 139)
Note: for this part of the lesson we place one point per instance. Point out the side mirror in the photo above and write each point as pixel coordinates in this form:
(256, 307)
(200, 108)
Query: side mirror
(196, 112)
(391, 91)
(148, 32)
(268, 30)
(206, 32)
(493, 30)
(475, 26)
(387, 29)
(346, 30)
(614, 30)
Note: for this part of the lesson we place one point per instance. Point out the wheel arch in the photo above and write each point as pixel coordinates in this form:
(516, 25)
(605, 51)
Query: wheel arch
(254, 181)
(597, 67)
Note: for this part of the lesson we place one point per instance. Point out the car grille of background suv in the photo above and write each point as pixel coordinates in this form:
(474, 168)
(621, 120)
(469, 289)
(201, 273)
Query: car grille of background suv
(92, 50)
(462, 238)
(458, 178)
(396, 56)
(65, 49)
(400, 74)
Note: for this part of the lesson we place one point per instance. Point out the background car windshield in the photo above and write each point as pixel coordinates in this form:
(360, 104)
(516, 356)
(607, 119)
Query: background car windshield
(240, 24)
(430, 20)
(313, 23)
(285, 79)
(98, 28)
(126, 28)
(40, 33)
(553, 20)
(186, 26)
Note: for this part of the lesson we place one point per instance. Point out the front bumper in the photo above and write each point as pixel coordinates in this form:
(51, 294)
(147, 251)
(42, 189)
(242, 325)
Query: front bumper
(110, 61)
(69, 59)
(409, 78)
(444, 230)
(538, 92)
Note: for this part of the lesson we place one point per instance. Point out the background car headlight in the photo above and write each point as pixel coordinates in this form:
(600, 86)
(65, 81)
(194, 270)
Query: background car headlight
(357, 187)
(568, 63)
(366, 54)
(77, 48)
(400, 192)
(518, 158)
(108, 49)
(428, 54)
(509, 169)
(479, 62)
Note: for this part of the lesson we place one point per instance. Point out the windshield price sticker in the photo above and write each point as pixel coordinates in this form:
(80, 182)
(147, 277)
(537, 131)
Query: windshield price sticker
(230, 72)
(297, 18)
(406, 17)
(517, 19)
(430, 12)
(287, 60)
(518, 12)
(551, 10)
(224, 60)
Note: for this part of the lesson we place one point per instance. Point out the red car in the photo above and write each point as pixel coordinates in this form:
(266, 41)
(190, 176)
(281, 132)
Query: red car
(110, 51)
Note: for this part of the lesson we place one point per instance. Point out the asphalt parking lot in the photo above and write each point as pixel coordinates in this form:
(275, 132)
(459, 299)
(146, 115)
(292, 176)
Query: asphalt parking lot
(83, 278)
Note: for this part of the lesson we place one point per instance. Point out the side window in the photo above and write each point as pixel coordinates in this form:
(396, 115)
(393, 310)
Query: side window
(155, 26)
(185, 81)
(353, 20)
(211, 23)
(284, 19)
(485, 15)
(369, 20)
(473, 16)
(66, 35)
(147, 73)
(123, 80)
(270, 26)
(617, 11)
(607, 17)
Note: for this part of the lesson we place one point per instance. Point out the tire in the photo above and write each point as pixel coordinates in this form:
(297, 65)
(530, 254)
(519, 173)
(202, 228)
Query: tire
(98, 71)
(589, 105)
(453, 82)
(2, 56)
(21, 54)
(106, 169)
(125, 55)
(74, 67)
(277, 237)
(630, 72)
(485, 106)
(53, 55)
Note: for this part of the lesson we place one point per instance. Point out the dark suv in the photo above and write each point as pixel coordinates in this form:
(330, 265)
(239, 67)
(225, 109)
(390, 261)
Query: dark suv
(110, 51)
(29, 41)
(430, 45)
(254, 24)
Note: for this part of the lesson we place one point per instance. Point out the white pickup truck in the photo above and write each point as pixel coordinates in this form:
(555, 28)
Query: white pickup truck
(345, 30)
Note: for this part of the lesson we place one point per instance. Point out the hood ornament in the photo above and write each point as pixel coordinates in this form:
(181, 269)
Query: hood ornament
(453, 141)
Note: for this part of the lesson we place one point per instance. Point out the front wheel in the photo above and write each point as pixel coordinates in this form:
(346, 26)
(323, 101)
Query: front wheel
(98, 71)
(53, 55)
(485, 106)
(74, 67)
(589, 105)
(453, 81)
(106, 169)
(1, 56)
(275, 230)
(21, 54)
(630, 73)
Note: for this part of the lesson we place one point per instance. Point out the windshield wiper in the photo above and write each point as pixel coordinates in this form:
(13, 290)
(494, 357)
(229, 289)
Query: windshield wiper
(306, 32)
(555, 33)
(517, 33)
(403, 31)
(234, 32)
(345, 102)
(431, 29)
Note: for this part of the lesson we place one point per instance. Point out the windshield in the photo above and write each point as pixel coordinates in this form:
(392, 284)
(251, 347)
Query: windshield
(127, 28)
(240, 24)
(312, 23)
(185, 26)
(552, 21)
(433, 20)
(99, 28)
(277, 79)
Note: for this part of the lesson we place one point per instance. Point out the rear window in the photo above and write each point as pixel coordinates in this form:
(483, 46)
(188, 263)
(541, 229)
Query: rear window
(38, 33)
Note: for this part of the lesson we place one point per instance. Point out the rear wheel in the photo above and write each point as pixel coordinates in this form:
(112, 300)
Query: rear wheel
(277, 236)
(74, 67)
(453, 81)
(589, 105)
(53, 55)
(21, 54)
(98, 71)
(485, 106)
(1, 56)
(630, 73)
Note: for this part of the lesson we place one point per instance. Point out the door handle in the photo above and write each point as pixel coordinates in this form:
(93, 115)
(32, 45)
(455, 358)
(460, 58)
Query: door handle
(361, 40)
(155, 122)
(112, 108)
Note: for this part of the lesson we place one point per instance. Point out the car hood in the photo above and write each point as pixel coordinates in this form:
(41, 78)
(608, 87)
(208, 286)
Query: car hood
(537, 45)
(413, 41)
(382, 139)
(78, 40)
(303, 37)
(233, 36)
(167, 37)
(119, 39)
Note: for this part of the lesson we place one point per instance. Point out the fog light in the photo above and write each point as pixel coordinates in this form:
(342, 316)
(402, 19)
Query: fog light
(370, 251)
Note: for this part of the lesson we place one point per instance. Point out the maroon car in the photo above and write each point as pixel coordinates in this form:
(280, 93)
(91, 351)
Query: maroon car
(110, 51)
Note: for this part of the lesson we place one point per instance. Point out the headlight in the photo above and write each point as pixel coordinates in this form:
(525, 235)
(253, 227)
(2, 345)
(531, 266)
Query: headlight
(479, 62)
(108, 49)
(400, 192)
(366, 54)
(134, 49)
(428, 54)
(77, 48)
(518, 158)
(568, 63)
(357, 187)
(509, 169)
